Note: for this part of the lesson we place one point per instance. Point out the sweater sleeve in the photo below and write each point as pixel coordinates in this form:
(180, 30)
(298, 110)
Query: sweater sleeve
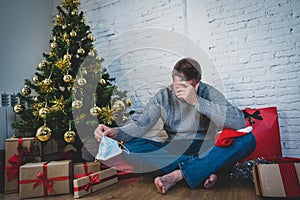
(140, 124)
(216, 107)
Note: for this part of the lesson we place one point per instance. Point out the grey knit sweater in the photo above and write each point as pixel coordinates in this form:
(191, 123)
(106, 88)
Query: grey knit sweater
(182, 120)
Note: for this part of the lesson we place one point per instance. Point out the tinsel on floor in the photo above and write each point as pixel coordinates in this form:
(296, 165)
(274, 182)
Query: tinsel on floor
(243, 170)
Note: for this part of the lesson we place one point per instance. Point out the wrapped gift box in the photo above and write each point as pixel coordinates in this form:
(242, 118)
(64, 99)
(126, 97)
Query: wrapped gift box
(45, 178)
(85, 169)
(15, 157)
(277, 180)
(94, 182)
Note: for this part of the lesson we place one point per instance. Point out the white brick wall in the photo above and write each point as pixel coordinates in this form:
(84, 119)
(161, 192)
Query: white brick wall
(132, 37)
(252, 53)
(255, 44)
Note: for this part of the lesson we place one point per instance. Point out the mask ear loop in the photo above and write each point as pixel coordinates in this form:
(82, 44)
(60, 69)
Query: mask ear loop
(124, 148)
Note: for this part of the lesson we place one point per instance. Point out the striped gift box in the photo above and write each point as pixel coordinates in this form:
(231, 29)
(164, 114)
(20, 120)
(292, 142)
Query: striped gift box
(277, 180)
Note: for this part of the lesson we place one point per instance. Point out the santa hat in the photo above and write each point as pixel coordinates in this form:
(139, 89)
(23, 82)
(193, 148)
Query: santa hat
(225, 137)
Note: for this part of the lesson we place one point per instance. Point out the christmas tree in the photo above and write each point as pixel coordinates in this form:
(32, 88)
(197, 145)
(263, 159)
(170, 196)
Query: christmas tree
(70, 92)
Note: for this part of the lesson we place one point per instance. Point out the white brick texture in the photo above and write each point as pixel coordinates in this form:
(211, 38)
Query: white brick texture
(254, 46)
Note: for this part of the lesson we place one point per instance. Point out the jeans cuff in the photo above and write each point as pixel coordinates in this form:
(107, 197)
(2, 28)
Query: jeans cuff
(186, 176)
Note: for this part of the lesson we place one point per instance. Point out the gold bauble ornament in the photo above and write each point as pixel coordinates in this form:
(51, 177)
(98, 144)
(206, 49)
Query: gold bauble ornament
(35, 79)
(67, 57)
(102, 81)
(84, 72)
(99, 58)
(118, 106)
(18, 108)
(47, 81)
(69, 136)
(81, 81)
(95, 111)
(42, 65)
(67, 78)
(43, 112)
(80, 51)
(90, 37)
(77, 104)
(91, 53)
(26, 91)
(53, 45)
(73, 33)
(128, 102)
(43, 133)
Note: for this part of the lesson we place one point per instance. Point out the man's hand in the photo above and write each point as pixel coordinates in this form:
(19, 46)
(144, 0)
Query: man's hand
(187, 92)
(102, 130)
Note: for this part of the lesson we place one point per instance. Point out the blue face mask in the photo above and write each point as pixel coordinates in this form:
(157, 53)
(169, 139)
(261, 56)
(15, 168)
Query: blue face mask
(108, 148)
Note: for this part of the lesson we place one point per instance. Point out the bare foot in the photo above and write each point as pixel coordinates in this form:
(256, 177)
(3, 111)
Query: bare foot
(211, 181)
(164, 183)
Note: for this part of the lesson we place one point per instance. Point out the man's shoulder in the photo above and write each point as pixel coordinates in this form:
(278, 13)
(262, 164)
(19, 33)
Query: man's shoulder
(164, 93)
(206, 89)
(165, 90)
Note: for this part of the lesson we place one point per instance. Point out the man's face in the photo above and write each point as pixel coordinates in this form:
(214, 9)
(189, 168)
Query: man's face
(177, 79)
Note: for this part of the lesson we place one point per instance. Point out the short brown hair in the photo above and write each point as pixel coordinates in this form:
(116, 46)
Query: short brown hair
(189, 67)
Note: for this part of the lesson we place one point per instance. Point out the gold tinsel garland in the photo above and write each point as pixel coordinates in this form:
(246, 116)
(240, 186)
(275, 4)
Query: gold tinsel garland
(36, 108)
(62, 64)
(69, 3)
(59, 104)
(45, 88)
(107, 115)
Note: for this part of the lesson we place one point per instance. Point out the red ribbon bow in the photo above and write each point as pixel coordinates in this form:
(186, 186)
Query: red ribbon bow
(43, 179)
(16, 162)
(93, 180)
(13, 170)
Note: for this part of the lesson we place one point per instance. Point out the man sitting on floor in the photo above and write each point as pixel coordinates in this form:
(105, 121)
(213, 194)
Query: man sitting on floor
(192, 112)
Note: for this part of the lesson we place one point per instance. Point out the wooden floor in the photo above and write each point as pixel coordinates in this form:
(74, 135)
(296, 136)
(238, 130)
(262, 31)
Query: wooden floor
(142, 187)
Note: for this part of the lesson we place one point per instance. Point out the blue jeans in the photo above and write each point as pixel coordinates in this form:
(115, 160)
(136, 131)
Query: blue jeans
(147, 155)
